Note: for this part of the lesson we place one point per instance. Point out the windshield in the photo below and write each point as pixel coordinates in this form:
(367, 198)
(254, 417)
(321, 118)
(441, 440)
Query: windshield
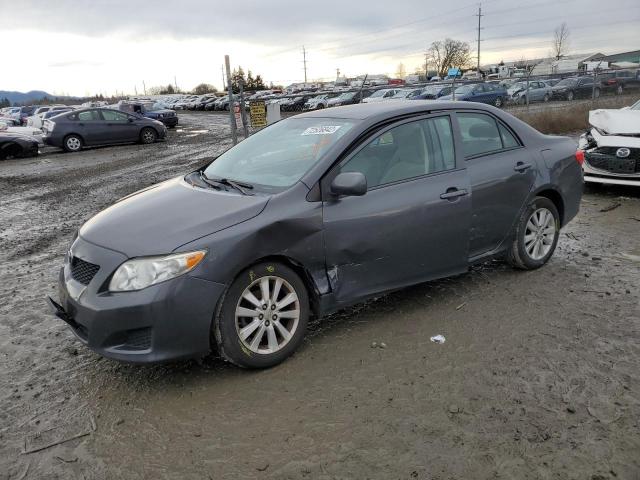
(278, 156)
(378, 93)
(566, 82)
(518, 85)
(464, 89)
(347, 95)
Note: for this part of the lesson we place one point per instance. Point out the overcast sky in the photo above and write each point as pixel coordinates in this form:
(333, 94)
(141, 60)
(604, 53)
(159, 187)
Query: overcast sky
(82, 47)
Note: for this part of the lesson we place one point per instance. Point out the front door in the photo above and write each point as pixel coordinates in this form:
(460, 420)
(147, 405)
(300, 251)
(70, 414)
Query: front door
(501, 173)
(412, 225)
(89, 125)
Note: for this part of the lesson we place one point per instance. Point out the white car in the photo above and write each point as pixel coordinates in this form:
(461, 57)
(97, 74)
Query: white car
(612, 146)
(381, 95)
(24, 131)
(37, 119)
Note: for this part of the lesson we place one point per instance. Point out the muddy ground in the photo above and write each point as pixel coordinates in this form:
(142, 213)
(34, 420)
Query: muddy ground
(539, 377)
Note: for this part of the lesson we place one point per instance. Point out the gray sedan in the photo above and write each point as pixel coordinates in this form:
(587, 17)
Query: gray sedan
(307, 216)
(538, 91)
(99, 126)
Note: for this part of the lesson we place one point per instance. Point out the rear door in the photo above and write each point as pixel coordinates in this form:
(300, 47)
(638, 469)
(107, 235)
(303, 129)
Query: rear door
(501, 172)
(412, 225)
(88, 124)
(119, 127)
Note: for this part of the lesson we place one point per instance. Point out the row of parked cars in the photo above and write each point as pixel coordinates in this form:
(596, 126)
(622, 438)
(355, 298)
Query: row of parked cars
(73, 127)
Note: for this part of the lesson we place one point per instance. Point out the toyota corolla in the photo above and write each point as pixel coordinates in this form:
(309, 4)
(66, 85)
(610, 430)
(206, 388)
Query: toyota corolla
(307, 216)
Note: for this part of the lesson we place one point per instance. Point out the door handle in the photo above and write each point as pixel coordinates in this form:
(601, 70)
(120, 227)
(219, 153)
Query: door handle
(453, 193)
(522, 167)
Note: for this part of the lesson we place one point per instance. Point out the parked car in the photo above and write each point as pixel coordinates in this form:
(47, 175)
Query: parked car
(619, 81)
(100, 126)
(381, 95)
(489, 93)
(13, 145)
(34, 133)
(317, 102)
(538, 91)
(311, 214)
(349, 98)
(432, 92)
(150, 110)
(407, 94)
(37, 119)
(612, 146)
(574, 87)
(26, 112)
(295, 104)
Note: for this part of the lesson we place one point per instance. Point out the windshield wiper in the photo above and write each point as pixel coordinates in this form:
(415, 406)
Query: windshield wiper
(240, 186)
(208, 181)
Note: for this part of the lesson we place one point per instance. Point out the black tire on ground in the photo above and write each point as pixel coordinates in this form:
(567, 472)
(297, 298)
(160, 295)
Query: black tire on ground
(10, 150)
(498, 102)
(148, 135)
(72, 143)
(517, 254)
(320, 106)
(225, 333)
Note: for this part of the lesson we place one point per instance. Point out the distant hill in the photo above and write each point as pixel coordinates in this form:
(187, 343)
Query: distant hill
(20, 97)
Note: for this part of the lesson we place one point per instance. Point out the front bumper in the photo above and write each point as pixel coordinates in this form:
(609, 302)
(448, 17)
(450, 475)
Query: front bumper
(606, 168)
(167, 321)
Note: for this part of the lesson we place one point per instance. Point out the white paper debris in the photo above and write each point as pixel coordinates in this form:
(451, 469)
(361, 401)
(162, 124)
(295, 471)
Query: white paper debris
(438, 339)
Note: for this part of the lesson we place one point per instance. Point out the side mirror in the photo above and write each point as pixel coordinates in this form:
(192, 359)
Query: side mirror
(349, 184)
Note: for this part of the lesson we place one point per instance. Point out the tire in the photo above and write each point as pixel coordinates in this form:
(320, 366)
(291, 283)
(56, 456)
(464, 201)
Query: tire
(320, 106)
(619, 90)
(148, 135)
(72, 143)
(10, 150)
(570, 96)
(523, 253)
(259, 349)
(498, 102)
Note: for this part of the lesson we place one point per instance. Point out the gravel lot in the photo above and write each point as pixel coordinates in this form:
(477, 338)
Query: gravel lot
(539, 377)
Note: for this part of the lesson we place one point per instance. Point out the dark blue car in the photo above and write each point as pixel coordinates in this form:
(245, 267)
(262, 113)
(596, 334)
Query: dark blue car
(488, 93)
(432, 92)
(151, 110)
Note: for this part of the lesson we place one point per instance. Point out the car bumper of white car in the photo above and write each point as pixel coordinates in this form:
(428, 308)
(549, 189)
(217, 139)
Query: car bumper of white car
(607, 170)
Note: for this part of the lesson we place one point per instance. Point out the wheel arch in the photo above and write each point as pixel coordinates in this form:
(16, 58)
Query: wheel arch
(556, 197)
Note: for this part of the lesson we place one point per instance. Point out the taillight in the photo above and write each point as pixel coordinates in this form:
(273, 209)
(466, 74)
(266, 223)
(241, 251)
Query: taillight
(580, 156)
(611, 82)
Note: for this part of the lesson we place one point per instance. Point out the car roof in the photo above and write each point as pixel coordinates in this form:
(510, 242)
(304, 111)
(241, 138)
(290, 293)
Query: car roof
(384, 110)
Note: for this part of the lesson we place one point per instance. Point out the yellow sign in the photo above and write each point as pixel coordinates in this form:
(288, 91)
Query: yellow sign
(258, 114)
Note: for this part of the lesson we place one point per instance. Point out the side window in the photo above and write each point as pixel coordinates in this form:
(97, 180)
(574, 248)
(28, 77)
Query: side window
(113, 116)
(479, 134)
(508, 140)
(88, 116)
(407, 151)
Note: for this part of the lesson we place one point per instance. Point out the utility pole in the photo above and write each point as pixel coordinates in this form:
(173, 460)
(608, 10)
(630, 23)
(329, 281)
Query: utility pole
(479, 15)
(337, 74)
(232, 117)
(304, 61)
(426, 63)
(145, 87)
(222, 71)
(175, 83)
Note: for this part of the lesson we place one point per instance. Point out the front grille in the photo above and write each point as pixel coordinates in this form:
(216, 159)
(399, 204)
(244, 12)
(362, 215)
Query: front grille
(604, 158)
(83, 272)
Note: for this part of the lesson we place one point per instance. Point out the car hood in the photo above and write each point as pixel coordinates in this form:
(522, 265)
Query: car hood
(616, 122)
(160, 218)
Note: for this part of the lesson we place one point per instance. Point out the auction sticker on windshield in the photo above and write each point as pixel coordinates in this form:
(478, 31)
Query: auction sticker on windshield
(321, 130)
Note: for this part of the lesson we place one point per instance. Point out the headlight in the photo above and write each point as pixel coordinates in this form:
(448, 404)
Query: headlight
(141, 273)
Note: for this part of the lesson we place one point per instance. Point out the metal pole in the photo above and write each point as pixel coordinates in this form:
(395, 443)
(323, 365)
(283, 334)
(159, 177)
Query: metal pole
(361, 87)
(453, 88)
(304, 60)
(479, 28)
(145, 87)
(232, 119)
(526, 93)
(243, 112)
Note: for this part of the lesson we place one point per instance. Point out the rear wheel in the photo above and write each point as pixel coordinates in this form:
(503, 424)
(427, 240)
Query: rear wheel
(72, 143)
(10, 150)
(536, 235)
(148, 135)
(497, 102)
(263, 316)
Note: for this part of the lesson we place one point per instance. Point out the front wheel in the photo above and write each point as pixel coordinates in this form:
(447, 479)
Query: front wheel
(536, 235)
(72, 143)
(497, 102)
(148, 135)
(263, 317)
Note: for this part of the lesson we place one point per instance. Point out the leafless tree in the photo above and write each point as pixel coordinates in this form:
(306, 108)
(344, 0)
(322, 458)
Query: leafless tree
(448, 53)
(561, 41)
(401, 71)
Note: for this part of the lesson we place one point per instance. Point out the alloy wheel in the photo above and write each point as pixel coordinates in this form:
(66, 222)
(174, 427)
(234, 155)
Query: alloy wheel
(540, 233)
(267, 314)
(148, 136)
(73, 143)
